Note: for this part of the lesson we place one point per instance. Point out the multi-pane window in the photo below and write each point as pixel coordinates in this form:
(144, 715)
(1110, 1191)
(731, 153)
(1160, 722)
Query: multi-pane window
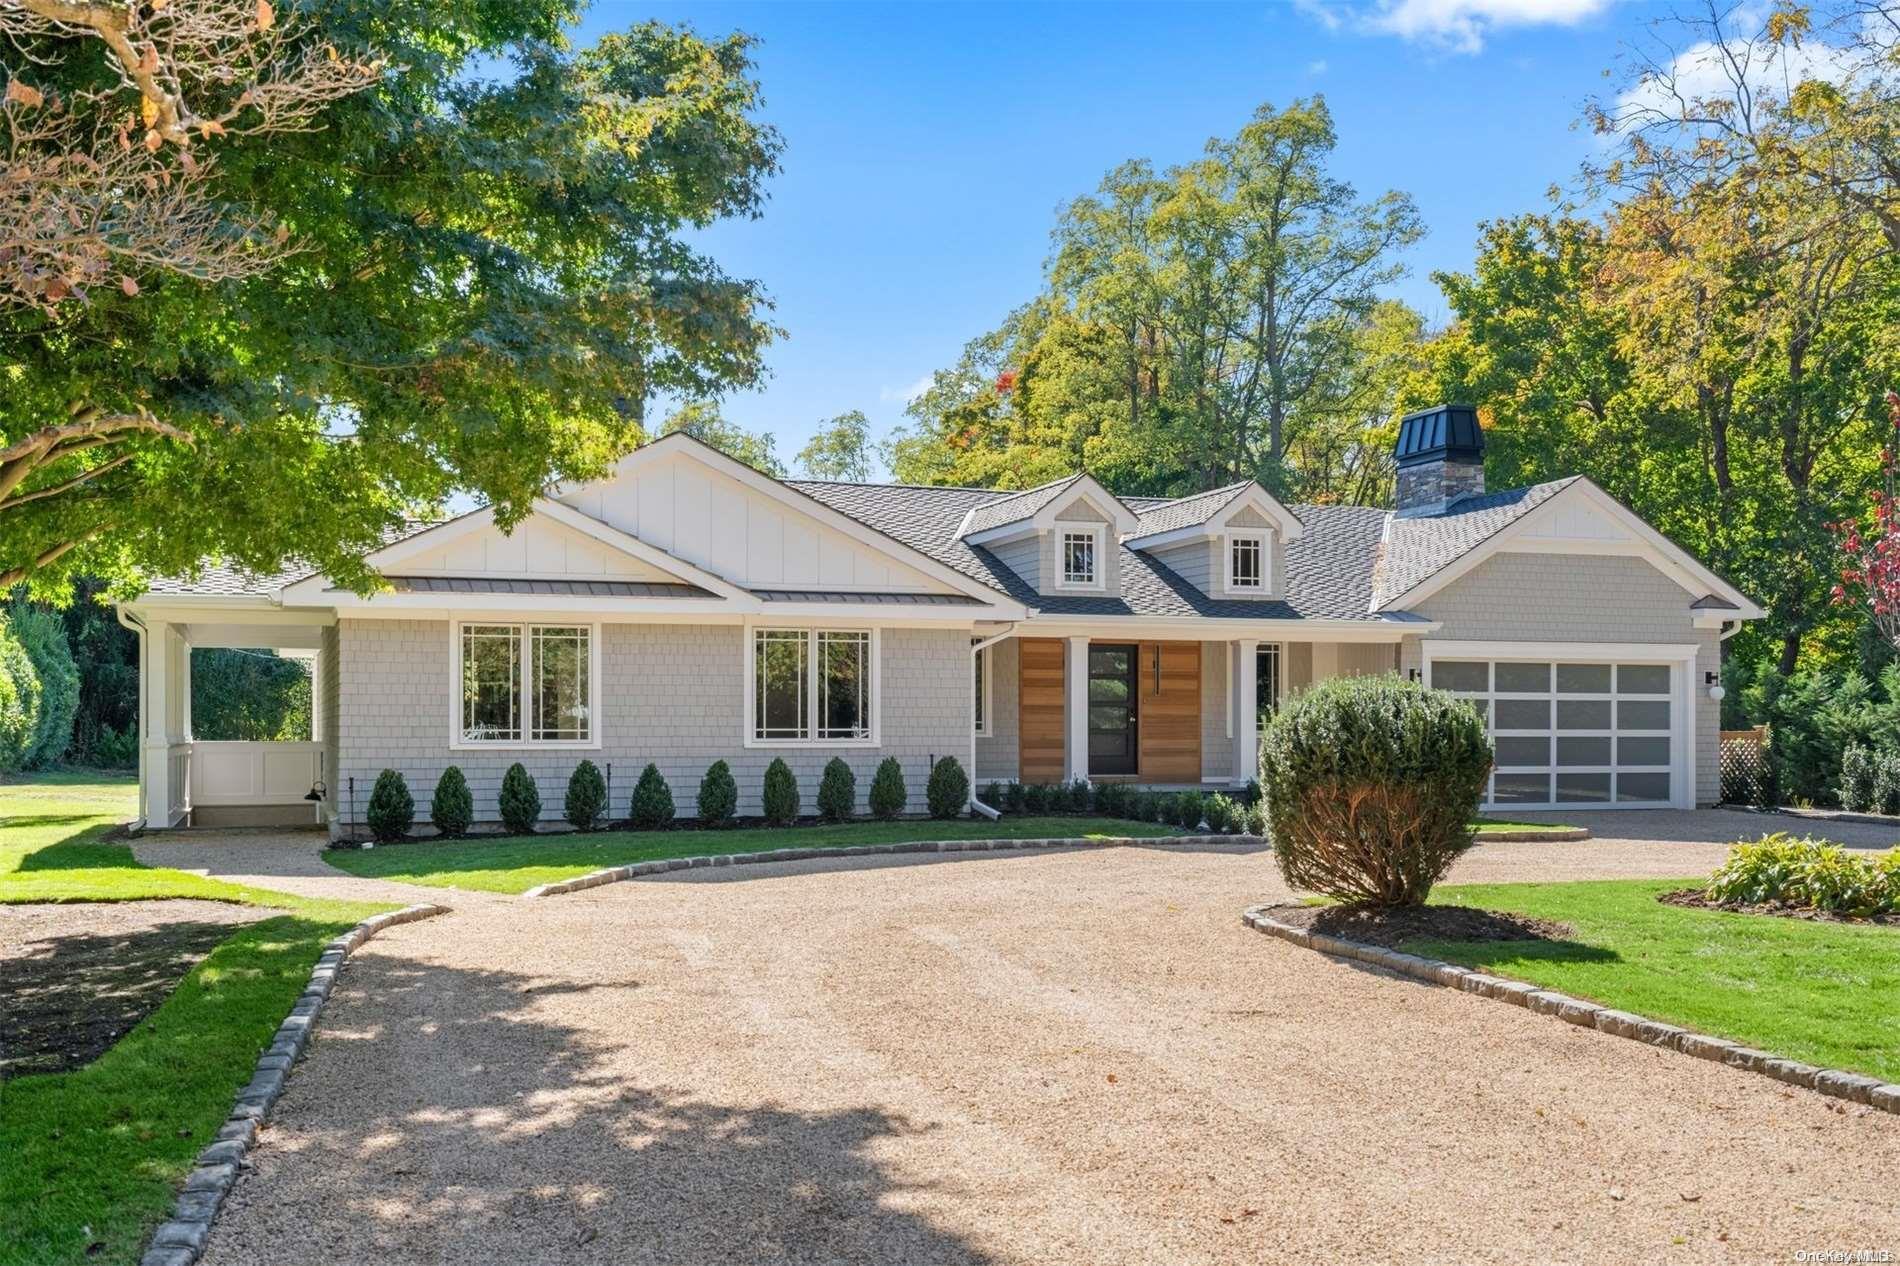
(811, 685)
(979, 672)
(526, 683)
(1078, 558)
(1246, 562)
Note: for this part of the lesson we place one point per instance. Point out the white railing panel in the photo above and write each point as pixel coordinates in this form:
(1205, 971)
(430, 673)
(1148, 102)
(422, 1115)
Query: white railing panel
(252, 773)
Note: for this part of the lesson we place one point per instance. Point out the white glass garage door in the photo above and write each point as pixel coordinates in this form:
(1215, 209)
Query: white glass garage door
(1572, 735)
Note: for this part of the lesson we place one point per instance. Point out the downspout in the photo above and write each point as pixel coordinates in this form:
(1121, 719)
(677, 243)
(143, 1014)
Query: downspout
(137, 627)
(977, 648)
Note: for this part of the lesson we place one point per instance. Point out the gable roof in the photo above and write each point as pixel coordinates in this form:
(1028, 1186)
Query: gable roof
(1183, 512)
(1015, 507)
(1415, 549)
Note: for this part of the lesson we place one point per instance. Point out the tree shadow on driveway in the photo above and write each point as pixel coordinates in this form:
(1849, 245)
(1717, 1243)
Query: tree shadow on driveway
(442, 1117)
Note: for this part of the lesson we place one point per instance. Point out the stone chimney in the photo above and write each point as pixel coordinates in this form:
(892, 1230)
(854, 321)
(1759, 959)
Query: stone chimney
(1440, 459)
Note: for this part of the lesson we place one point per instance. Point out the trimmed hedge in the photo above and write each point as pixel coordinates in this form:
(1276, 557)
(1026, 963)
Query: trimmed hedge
(718, 795)
(1371, 785)
(43, 634)
(652, 806)
(837, 791)
(392, 810)
(520, 800)
(586, 796)
(452, 808)
(781, 793)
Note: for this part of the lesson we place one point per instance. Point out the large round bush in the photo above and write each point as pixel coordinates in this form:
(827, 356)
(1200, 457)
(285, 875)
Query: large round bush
(1371, 784)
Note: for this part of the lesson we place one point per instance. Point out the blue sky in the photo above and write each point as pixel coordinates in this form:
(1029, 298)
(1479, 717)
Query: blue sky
(928, 147)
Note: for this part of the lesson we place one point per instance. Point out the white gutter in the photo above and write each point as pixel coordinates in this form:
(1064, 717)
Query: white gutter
(137, 626)
(977, 648)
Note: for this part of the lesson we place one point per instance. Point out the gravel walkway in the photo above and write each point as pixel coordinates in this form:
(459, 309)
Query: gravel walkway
(1036, 1057)
(286, 861)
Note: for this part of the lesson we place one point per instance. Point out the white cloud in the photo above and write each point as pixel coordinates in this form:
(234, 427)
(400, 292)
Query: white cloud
(904, 395)
(1316, 68)
(1702, 72)
(1459, 26)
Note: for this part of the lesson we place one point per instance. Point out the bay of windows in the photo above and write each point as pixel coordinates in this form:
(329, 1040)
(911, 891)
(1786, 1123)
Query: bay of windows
(811, 685)
(526, 683)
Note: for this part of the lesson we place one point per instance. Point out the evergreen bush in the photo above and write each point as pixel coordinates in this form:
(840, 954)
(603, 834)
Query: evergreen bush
(718, 795)
(43, 634)
(1371, 785)
(1015, 797)
(392, 810)
(1857, 779)
(1188, 810)
(19, 700)
(888, 793)
(586, 796)
(837, 791)
(451, 808)
(520, 800)
(948, 791)
(1080, 794)
(652, 806)
(1035, 798)
(992, 795)
(780, 794)
(1886, 783)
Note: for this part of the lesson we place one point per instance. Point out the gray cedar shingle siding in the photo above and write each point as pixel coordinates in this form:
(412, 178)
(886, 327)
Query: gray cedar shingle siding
(1581, 598)
(671, 694)
(997, 756)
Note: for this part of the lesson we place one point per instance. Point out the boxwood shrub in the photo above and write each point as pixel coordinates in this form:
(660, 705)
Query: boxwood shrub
(948, 790)
(520, 802)
(888, 794)
(1371, 784)
(392, 810)
(781, 793)
(652, 806)
(718, 795)
(837, 791)
(452, 808)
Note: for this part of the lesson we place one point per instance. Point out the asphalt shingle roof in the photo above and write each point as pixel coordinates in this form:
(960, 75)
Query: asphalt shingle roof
(1015, 507)
(1417, 548)
(1329, 569)
(1185, 511)
(227, 580)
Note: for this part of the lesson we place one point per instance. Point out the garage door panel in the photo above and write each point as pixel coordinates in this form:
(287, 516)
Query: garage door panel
(1573, 732)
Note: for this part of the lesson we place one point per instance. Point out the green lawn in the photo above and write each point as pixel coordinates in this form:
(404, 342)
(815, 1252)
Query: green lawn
(516, 865)
(1808, 991)
(89, 1159)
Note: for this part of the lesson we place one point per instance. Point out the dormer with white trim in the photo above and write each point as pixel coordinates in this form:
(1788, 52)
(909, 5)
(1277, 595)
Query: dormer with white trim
(1062, 538)
(1229, 543)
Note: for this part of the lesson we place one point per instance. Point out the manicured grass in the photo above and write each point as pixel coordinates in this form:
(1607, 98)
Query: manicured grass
(90, 1159)
(1491, 826)
(518, 864)
(1811, 991)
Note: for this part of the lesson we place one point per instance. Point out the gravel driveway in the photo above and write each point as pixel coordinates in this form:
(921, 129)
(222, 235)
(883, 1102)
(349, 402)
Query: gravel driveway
(1038, 1057)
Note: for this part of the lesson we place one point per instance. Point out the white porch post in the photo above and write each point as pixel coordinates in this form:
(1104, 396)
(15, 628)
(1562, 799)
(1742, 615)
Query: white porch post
(1247, 711)
(159, 699)
(1078, 709)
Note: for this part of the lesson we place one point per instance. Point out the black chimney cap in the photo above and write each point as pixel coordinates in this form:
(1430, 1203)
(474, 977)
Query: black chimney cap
(1450, 432)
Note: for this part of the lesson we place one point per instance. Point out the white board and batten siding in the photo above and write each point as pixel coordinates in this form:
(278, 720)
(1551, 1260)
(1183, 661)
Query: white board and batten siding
(538, 548)
(713, 521)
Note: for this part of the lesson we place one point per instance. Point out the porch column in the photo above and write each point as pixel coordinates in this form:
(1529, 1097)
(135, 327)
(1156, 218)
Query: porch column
(1246, 709)
(1077, 712)
(164, 698)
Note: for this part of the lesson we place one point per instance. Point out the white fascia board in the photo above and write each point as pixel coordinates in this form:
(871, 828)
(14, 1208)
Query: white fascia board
(805, 504)
(1284, 521)
(223, 609)
(1001, 534)
(1651, 546)
(434, 605)
(1227, 629)
(1086, 487)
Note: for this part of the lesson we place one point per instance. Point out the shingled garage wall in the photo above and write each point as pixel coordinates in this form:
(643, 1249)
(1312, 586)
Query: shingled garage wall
(1541, 597)
(671, 694)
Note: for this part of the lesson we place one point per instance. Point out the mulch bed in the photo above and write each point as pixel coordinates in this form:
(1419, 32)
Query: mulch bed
(76, 977)
(1391, 928)
(1692, 899)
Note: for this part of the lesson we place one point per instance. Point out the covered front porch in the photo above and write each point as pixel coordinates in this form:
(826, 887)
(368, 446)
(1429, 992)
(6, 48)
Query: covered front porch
(1157, 711)
(185, 781)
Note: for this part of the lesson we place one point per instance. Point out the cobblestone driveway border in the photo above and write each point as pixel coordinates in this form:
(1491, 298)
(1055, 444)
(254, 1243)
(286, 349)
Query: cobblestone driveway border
(1835, 1082)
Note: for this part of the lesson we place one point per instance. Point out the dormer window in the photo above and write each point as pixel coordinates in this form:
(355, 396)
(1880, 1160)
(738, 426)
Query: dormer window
(1081, 558)
(1247, 562)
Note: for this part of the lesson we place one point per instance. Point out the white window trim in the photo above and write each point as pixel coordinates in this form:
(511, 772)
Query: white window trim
(1682, 695)
(988, 723)
(1098, 534)
(1266, 563)
(594, 703)
(749, 733)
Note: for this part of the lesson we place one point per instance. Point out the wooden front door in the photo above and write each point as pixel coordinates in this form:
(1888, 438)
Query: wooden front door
(1169, 686)
(1040, 709)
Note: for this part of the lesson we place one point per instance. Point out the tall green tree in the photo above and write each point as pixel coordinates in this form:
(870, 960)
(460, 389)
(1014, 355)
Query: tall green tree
(490, 280)
(703, 420)
(840, 449)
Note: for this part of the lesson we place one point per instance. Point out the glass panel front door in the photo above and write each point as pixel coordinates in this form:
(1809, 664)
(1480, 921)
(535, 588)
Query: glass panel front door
(1112, 747)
